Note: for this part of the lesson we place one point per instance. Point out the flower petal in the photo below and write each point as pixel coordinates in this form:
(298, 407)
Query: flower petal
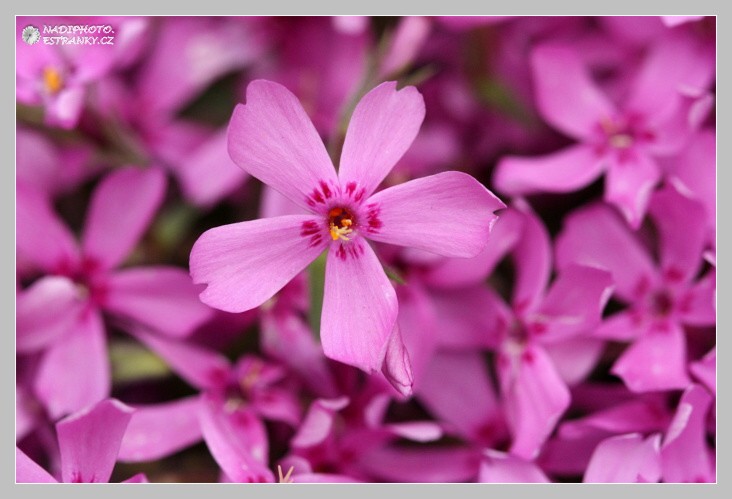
(532, 257)
(28, 471)
(684, 455)
(597, 237)
(41, 236)
(463, 272)
(656, 361)
(75, 373)
(705, 370)
(272, 139)
(574, 303)
(566, 170)
(431, 464)
(45, 311)
(237, 439)
(499, 467)
(397, 368)
(359, 307)
(163, 298)
(417, 325)
(457, 389)
(699, 306)
(565, 94)
(625, 459)
(208, 174)
(535, 398)
(89, 441)
(382, 127)
(318, 422)
(623, 326)
(246, 263)
(678, 220)
(575, 358)
(157, 431)
(122, 207)
(449, 213)
(199, 366)
(629, 185)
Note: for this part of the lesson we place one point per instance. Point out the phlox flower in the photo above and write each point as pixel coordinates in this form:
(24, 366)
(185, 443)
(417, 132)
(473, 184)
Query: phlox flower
(60, 314)
(271, 137)
(88, 442)
(623, 140)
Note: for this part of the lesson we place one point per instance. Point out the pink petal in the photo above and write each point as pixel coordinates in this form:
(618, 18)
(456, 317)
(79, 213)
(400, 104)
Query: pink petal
(28, 471)
(382, 127)
(682, 236)
(672, 63)
(463, 272)
(705, 370)
(41, 236)
(532, 257)
(75, 373)
(408, 38)
(457, 389)
(473, 317)
(272, 139)
(163, 298)
(237, 439)
(623, 326)
(274, 204)
(199, 366)
(629, 185)
(684, 455)
(405, 465)
(246, 263)
(642, 415)
(625, 459)
(65, 108)
(672, 21)
(574, 303)
(208, 174)
(397, 368)
(277, 404)
(322, 478)
(157, 431)
(318, 422)
(699, 306)
(575, 358)
(656, 361)
(137, 478)
(499, 467)
(359, 307)
(45, 311)
(449, 213)
(416, 431)
(566, 170)
(597, 237)
(121, 209)
(535, 398)
(565, 94)
(417, 325)
(89, 441)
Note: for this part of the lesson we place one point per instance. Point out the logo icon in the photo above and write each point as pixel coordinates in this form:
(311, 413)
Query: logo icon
(31, 35)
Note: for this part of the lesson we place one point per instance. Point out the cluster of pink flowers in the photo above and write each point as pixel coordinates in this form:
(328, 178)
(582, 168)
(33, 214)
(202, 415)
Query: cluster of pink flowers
(352, 249)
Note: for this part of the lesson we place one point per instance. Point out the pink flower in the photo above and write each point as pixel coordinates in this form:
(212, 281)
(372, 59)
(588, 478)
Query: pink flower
(61, 313)
(88, 442)
(624, 141)
(271, 137)
(662, 298)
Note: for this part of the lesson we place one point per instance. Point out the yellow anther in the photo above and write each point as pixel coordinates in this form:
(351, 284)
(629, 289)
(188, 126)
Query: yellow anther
(340, 232)
(52, 80)
(621, 141)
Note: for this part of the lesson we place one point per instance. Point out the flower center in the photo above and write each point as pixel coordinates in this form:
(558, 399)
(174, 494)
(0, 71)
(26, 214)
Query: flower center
(661, 303)
(52, 80)
(340, 223)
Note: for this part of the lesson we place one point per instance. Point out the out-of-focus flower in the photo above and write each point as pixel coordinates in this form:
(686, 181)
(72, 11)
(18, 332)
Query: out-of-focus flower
(623, 141)
(270, 137)
(61, 312)
(88, 442)
(662, 298)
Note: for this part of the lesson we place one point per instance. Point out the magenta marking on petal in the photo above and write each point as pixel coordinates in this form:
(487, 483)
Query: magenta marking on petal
(373, 222)
(350, 188)
(346, 251)
(310, 229)
(359, 195)
(326, 190)
(527, 356)
(672, 274)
